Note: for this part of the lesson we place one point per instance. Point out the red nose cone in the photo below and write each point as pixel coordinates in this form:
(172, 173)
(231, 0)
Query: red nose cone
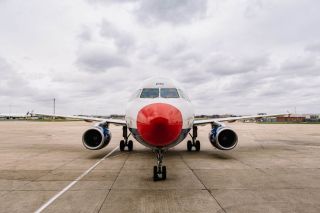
(159, 124)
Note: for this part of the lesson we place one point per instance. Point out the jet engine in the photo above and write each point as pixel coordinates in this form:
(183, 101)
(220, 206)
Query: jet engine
(223, 138)
(96, 137)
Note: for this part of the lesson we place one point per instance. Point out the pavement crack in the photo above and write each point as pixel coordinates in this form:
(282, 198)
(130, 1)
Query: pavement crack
(205, 187)
(107, 195)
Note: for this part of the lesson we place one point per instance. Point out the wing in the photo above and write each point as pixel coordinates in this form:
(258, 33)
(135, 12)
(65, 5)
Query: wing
(13, 115)
(232, 119)
(85, 118)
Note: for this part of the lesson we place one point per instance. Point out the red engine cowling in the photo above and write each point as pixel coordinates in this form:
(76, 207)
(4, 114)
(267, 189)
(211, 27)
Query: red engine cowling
(223, 138)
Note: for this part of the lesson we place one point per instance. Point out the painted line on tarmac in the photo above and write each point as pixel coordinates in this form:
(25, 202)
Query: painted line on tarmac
(44, 206)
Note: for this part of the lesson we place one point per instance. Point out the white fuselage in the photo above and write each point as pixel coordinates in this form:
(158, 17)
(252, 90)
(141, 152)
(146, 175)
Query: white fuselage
(159, 120)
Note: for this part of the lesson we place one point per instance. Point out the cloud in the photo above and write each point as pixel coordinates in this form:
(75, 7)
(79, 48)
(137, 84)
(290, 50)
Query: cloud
(99, 60)
(176, 55)
(110, 1)
(122, 39)
(253, 9)
(5, 68)
(11, 83)
(232, 57)
(171, 11)
(100, 54)
(220, 64)
(85, 34)
(166, 11)
(303, 63)
(314, 47)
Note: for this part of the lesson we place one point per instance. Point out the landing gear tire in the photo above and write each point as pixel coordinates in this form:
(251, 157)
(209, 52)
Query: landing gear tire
(130, 145)
(164, 172)
(197, 145)
(159, 175)
(155, 173)
(194, 142)
(189, 146)
(125, 143)
(122, 145)
(159, 171)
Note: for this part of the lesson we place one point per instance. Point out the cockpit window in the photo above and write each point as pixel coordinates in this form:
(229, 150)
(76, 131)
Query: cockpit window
(150, 93)
(169, 93)
(183, 95)
(136, 94)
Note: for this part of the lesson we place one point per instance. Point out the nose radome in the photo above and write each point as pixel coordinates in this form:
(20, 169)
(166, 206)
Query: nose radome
(159, 124)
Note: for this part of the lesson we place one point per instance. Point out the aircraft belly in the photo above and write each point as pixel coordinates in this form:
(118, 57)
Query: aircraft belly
(181, 137)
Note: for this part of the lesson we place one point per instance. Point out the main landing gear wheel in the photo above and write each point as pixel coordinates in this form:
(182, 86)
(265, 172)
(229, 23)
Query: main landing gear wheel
(130, 145)
(197, 145)
(122, 145)
(159, 171)
(194, 142)
(189, 146)
(125, 143)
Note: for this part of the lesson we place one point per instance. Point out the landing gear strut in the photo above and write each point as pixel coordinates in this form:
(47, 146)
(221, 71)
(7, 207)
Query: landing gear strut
(194, 142)
(126, 143)
(159, 171)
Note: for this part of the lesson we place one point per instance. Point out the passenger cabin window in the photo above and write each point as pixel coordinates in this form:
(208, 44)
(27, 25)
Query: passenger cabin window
(169, 93)
(150, 93)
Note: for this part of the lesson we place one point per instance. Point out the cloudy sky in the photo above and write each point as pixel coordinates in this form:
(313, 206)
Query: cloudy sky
(239, 57)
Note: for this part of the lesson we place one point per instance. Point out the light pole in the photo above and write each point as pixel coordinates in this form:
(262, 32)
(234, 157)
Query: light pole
(54, 107)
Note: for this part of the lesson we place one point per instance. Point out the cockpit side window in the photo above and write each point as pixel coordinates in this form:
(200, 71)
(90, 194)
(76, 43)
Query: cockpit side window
(136, 94)
(150, 93)
(169, 93)
(183, 95)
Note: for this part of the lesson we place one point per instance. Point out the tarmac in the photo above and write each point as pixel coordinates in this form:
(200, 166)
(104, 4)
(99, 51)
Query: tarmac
(44, 167)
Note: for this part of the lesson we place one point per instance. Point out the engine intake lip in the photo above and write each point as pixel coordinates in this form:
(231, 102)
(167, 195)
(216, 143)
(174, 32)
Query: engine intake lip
(227, 139)
(223, 138)
(93, 139)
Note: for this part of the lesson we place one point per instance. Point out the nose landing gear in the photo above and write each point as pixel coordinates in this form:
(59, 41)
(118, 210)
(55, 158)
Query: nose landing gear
(126, 143)
(194, 142)
(159, 171)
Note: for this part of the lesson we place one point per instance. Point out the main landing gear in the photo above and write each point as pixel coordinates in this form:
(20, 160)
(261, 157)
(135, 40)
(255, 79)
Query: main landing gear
(159, 171)
(126, 143)
(194, 142)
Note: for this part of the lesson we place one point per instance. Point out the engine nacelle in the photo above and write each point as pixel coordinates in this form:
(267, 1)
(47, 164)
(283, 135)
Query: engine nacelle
(223, 138)
(96, 138)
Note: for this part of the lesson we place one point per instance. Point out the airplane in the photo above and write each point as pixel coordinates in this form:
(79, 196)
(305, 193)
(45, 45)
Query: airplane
(14, 116)
(159, 115)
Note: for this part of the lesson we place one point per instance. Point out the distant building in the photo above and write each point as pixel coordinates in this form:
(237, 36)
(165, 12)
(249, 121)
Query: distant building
(292, 118)
(313, 118)
(269, 119)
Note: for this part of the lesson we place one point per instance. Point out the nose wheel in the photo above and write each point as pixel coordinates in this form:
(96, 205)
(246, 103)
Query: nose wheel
(159, 171)
(125, 143)
(194, 142)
